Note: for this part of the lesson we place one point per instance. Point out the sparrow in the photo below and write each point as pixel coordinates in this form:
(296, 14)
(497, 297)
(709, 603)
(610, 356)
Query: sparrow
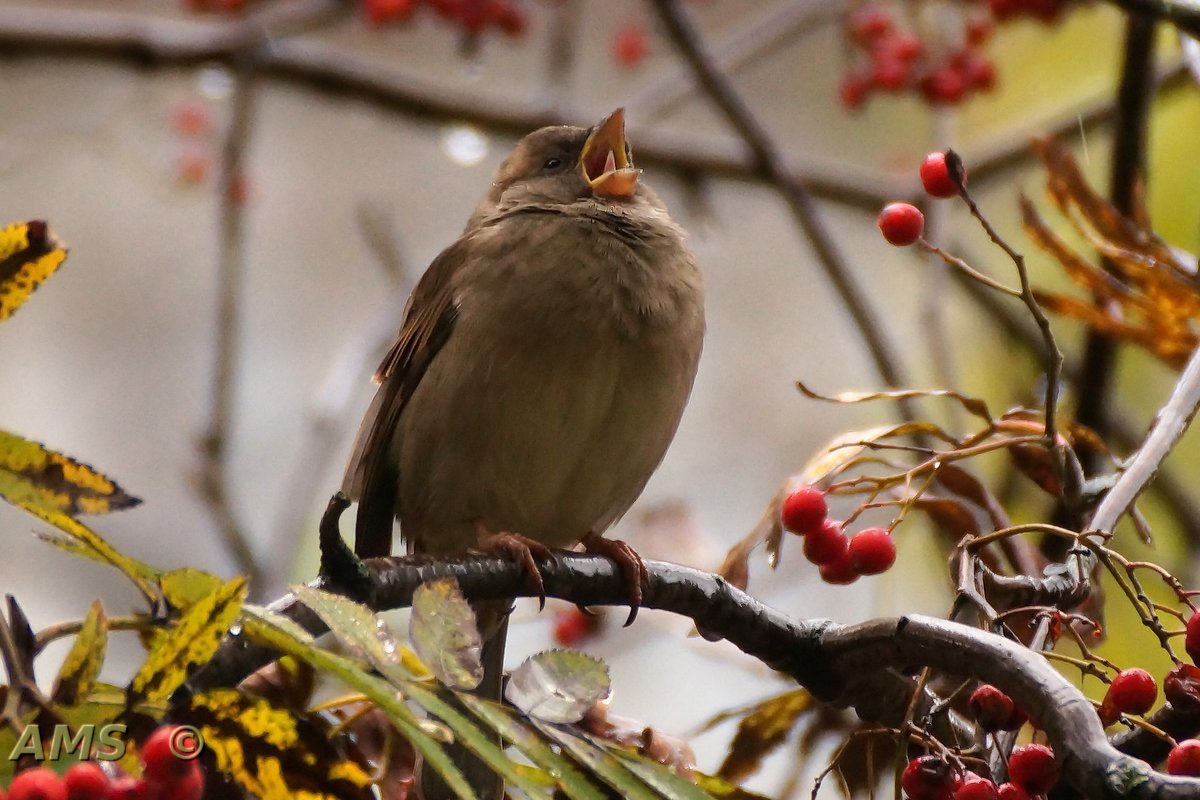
(540, 373)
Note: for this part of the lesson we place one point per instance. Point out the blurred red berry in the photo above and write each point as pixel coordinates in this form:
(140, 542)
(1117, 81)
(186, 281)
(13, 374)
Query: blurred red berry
(194, 165)
(901, 223)
(890, 74)
(991, 708)
(944, 86)
(1032, 767)
(630, 45)
(853, 91)
(840, 571)
(826, 544)
(39, 783)
(904, 47)
(872, 551)
(86, 781)
(130, 788)
(935, 176)
(191, 118)
(978, 30)
(975, 787)
(804, 510)
(1010, 791)
(868, 23)
(928, 778)
(509, 18)
(1184, 758)
(573, 626)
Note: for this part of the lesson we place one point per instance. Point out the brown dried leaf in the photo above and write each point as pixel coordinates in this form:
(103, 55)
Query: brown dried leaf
(952, 517)
(1035, 463)
(972, 405)
(761, 731)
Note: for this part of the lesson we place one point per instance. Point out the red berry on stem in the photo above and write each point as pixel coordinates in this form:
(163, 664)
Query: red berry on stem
(1133, 691)
(39, 783)
(901, 223)
(976, 787)
(86, 781)
(840, 571)
(936, 178)
(804, 510)
(826, 544)
(1184, 758)
(928, 778)
(1032, 767)
(1191, 642)
(872, 551)
(991, 708)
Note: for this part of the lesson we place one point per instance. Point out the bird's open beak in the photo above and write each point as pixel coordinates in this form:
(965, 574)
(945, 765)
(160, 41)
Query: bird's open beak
(604, 162)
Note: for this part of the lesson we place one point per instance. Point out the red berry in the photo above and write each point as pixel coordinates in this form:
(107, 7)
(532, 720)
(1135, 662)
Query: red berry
(826, 544)
(936, 178)
(872, 551)
(1032, 767)
(630, 45)
(854, 90)
(190, 118)
(159, 759)
(510, 18)
(840, 571)
(1015, 720)
(976, 787)
(1133, 691)
(928, 778)
(991, 708)
(804, 510)
(1191, 642)
(1184, 758)
(130, 788)
(39, 783)
(978, 30)
(901, 223)
(194, 165)
(868, 23)
(572, 626)
(890, 74)
(944, 86)
(904, 47)
(86, 781)
(1010, 791)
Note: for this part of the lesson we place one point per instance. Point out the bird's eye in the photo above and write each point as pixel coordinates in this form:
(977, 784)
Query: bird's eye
(552, 163)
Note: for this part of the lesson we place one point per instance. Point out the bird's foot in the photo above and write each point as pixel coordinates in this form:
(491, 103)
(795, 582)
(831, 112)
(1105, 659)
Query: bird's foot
(525, 551)
(630, 563)
(338, 562)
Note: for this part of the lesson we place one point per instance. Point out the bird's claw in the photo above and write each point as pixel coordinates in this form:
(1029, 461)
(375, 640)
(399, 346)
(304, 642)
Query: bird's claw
(632, 567)
(526, 552)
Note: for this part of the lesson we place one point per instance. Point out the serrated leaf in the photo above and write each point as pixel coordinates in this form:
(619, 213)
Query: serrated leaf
(80, 668)
(270, 752)
(190, 643)
(762, 730)
(141, 575)
(185, 587)
(32, 476)
(355, 625)
(443, 632)
(29, 254)
(573, 783)
(558, 685)
(601, 763)
(376, 689)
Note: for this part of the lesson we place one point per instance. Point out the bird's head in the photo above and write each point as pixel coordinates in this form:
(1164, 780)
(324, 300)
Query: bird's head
(564, 164)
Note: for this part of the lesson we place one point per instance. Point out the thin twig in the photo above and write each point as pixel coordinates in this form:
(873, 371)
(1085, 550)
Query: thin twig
(769, 161)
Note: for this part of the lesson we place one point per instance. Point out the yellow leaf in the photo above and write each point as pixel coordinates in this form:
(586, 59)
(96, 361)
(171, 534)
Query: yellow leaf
(32, 476)
(82, 665)
(29, 254)
(761, 731)
(190, 643)
(102, 550)
(269, 751)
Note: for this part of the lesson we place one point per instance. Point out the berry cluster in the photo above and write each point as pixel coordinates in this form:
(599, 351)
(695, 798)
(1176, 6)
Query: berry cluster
(841, 559)
(1042, 10)
(894, 57)
(473, 16)
(165, 776)
(1031, 770)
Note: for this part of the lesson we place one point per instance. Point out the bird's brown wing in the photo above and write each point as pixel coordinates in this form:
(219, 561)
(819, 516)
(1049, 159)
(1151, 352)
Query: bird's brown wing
(371, 476)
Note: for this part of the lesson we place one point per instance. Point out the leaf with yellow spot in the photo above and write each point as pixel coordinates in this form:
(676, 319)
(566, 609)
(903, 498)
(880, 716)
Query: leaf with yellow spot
(29, 254)
(32, 476)
(141, 575)
(185, 587)
(82, 665)
(271, 752)
(193, 641)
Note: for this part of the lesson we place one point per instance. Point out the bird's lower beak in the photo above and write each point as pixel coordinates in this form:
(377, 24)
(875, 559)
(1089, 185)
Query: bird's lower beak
(605, 163)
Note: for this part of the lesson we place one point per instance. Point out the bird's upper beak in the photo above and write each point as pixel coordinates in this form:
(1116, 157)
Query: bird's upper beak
(605, 163)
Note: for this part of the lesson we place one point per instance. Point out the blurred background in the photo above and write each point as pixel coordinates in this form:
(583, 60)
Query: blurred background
(300, 186)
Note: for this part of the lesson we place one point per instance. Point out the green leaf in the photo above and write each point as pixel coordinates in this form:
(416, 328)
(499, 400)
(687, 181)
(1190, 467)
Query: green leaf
(142, 576)
(657, 775)
(601, 763)
(443, 631)
(185, 587)
(558, 685)
(79, 670)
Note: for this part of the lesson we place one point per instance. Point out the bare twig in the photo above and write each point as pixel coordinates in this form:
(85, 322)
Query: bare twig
(214, 442)
(769, 161)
